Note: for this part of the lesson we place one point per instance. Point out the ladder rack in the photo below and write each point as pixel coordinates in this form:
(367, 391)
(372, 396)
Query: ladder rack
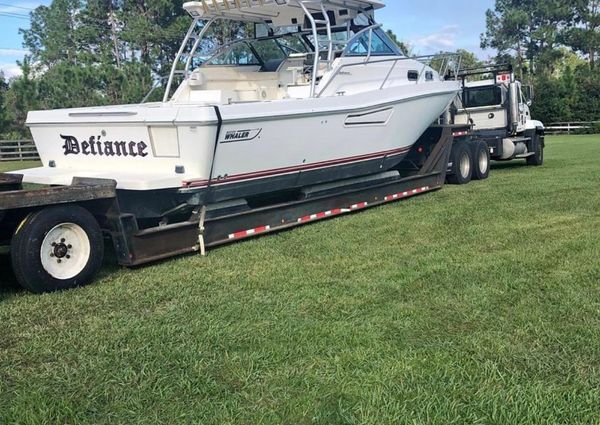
(317, 44)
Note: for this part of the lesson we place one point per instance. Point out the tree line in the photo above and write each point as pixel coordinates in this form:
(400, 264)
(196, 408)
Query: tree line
(101, 52)
(554, 45)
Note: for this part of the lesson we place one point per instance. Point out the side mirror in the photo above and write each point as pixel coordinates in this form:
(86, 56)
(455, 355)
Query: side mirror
(529, 103)
(528, 92)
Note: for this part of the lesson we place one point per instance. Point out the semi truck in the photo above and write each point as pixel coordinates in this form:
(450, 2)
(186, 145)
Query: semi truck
(496, 106)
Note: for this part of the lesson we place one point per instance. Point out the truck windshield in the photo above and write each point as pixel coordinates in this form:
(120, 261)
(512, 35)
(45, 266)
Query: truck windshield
(482, 96)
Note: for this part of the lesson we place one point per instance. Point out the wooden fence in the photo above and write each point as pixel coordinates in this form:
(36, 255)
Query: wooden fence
(573, 127)
(18, 150)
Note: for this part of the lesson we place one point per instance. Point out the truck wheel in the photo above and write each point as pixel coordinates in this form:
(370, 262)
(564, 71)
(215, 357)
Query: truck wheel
(57, 248)
(481, 160)
(462, 164)
(537, 159)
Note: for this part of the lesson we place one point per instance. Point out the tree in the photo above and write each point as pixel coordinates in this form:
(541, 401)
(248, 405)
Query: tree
(529, 30)
(21, 98)
(53, 35)
(584, 36)
(469, 59)
(3, 112)
(404, 47)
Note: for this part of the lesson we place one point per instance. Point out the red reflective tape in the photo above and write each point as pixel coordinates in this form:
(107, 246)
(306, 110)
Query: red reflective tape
(359, 206)
(406, 194)
(330, 213)
(322, 215)
(251, 232)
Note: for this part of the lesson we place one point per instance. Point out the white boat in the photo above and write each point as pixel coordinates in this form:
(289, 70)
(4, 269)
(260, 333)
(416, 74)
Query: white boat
(320, 94)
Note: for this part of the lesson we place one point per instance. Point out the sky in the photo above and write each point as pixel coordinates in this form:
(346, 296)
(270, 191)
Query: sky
(428, 26)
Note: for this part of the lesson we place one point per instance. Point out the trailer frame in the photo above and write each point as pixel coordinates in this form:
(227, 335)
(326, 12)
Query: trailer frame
(210, 226)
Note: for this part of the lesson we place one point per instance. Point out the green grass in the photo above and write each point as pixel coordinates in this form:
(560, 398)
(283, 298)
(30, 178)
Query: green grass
(17, 165)
(473, 305)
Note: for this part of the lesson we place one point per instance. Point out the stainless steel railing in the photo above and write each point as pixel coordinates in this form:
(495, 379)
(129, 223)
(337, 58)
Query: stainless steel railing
(445, 64)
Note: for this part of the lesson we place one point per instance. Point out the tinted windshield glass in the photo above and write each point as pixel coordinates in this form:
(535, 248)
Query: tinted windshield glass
(379, 45)
(482, 96)
(292, 44)
(237, 54)
(268, 50)
(259, 52)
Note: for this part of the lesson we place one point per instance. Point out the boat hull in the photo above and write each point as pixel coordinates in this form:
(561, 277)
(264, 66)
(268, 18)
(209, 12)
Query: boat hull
(297, 148)
(237, 150)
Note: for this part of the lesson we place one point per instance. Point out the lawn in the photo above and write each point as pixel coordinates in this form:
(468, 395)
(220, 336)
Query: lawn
(472, 305)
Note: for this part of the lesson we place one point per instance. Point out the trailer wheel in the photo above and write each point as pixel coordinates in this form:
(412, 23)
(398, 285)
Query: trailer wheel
(481, 160)
(462, 164)
(57, 248)
(537, 159)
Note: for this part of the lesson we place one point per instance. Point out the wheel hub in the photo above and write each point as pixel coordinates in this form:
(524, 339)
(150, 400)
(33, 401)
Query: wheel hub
(65, 251)
(60, 250)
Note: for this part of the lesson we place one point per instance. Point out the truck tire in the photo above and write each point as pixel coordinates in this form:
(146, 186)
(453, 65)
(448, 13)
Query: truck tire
(537, 159)
(461, 171)
(57, 248)
(481, 160)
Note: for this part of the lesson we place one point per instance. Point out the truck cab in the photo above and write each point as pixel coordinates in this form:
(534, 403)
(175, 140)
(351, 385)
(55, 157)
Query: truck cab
(497, 106)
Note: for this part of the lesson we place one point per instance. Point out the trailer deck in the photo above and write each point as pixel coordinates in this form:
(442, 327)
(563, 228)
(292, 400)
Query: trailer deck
(209, 226)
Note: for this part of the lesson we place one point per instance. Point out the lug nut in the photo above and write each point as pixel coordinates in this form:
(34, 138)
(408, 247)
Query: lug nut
(62, 240)
(53, 243)
(59, 261)
(51, 254)
(69, 246)
(67, 257)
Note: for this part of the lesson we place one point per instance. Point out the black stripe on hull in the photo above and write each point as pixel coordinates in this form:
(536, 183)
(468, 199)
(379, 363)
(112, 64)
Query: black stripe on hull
(152, 204)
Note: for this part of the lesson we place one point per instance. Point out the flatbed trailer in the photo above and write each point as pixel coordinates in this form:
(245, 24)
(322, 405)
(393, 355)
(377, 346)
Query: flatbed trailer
(28, 217)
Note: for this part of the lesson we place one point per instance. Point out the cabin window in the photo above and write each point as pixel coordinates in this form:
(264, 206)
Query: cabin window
(478, 97)
(413, 75)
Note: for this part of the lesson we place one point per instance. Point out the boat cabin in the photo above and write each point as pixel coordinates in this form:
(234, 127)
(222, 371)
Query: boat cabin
(299, 49)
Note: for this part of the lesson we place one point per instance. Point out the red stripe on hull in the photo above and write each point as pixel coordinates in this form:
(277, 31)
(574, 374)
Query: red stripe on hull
(287, 170)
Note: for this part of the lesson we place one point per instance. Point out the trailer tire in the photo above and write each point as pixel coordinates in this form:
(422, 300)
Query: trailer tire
(462, 164)
(537, 159)
(57, 248)
(481, 160)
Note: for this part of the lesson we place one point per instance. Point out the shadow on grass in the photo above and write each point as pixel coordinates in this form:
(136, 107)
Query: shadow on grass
(8, 282)
(509, 165)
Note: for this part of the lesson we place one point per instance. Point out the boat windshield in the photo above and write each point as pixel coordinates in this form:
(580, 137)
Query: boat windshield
(265, 52)
(380, 45)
